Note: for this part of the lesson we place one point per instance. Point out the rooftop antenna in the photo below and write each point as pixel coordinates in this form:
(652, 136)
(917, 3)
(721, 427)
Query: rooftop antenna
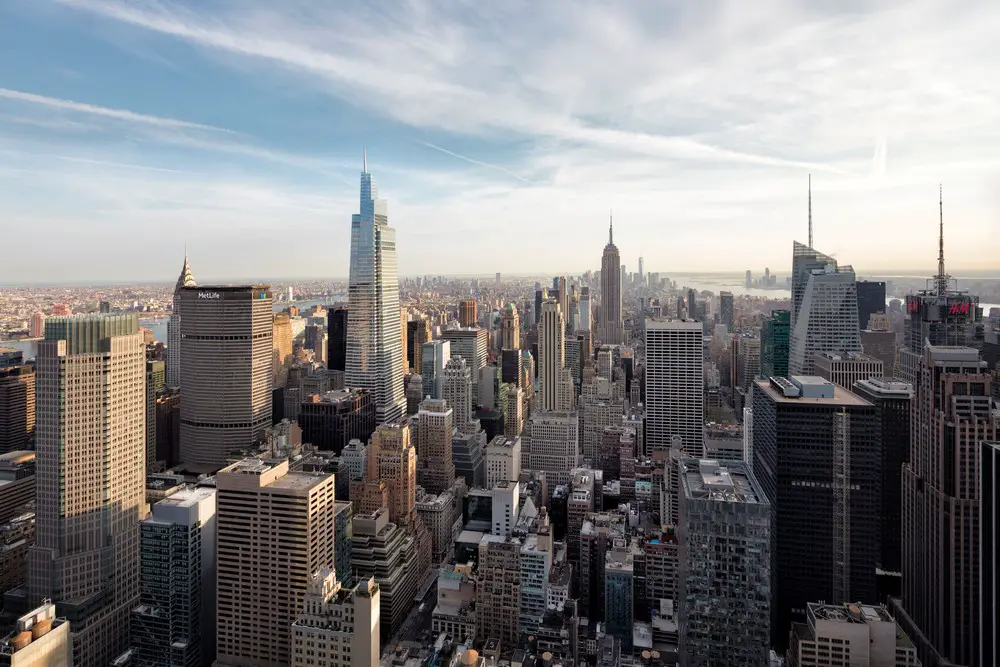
(611, 227)
(810, 210)
(942, 277)
(364, 168)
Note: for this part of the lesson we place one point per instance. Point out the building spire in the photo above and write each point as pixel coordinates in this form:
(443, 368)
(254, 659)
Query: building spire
(611, 227)
(364, 167)
(810, 210)
(942, 277)
(185, 279)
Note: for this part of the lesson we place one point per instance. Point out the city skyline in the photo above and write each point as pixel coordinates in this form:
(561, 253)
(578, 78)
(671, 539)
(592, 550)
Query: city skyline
(234, 127)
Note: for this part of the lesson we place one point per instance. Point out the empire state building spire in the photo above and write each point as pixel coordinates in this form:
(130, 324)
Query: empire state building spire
(611, 229)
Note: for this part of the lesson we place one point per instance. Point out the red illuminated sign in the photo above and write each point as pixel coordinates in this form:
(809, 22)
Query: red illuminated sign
(912, 305)
(959, 308)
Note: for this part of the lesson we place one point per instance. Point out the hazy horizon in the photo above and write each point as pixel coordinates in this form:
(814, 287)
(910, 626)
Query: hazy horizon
(499, 134)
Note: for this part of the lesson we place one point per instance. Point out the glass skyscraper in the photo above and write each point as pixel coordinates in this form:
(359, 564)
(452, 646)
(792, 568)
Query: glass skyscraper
(374, 339)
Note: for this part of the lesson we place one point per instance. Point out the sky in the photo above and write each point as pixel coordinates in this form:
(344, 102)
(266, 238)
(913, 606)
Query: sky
(502, 134)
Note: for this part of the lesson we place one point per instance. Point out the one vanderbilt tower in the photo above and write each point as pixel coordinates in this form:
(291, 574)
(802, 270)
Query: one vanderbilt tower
(374, 342)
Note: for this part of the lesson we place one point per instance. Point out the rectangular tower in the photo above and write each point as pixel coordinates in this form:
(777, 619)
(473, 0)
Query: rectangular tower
(90, 472)
(374, 341)
(226, 370)
(17, 404)
(989, 553)
(827, 316)
(675, 372)
(275, 528)
(435, 468)
(551, 353)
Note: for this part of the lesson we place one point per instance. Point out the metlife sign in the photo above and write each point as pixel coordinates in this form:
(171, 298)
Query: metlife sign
(208, 295)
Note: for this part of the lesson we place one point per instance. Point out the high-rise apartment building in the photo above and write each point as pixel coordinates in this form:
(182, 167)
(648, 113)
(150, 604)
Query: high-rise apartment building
(336, 329)
(610, 313)
(472, 345)
(275, 528)
(435, 424)
(498, 589)
(17, 402)
(551, 354)
(90, 475)
(845, 369)
(951, 413)
(725, 557)
(338, 626)
(174, 623)
(774, 342)
(418, 333)
(467, 316)
(892, 407)
(817, 455)
(374, 355)
(850, 635)
(173, 369)
(226, 368)
(989, 554)
(825, 310)
(675, 375)
(510, 326)
(871, 300)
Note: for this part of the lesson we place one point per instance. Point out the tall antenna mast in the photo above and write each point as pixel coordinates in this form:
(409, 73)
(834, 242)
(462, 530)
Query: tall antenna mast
(810, 211)
(942, 277)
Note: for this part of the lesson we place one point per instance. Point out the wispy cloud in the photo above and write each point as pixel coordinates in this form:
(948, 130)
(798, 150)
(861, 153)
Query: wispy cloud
(470, 160)
(118, 114)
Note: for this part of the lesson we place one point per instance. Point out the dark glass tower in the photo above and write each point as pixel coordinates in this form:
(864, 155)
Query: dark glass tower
(774, 336)
(337, 338)
(817, 454)
(871, 300)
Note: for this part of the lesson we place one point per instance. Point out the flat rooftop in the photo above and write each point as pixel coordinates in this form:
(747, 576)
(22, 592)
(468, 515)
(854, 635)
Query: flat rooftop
(841, 397)
(708, 479)
(188, 497)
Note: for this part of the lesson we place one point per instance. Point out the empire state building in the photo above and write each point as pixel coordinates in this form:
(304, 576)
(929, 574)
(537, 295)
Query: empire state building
(374, 341)
(610, 311)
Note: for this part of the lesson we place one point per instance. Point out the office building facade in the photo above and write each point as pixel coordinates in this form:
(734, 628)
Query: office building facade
(471, 345)
(725, 558)
(91, 463)
(817, 456)
(17, 403)
(846, 369)
(226, 370)
(338, 626)
(275, 528)
(332, 419)
(871, 300)
(774, 342)
(551, 354)
(435, 424)
(989, 553)
(674, 385)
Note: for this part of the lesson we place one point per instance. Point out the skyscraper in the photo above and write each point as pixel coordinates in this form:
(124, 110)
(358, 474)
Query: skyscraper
(726, 307)
(175, 620)
(825, 309)
(675, 407)
(435, 468)
(817, 456)
(774, 336)
(91, 473)
(611, 292)
(17, 401)
(456, 389)
(951, 413)
(551, 353)
(226, 370)
(467, 313)
(585, 309)
(339, 624)
(336, 325)
(471, 344)
(871, 300)
(275, 528)
(511, 329)
(173, 369)
(282, 345)
(374, 358)
(725, 556)
(434, 356)
(989, 553)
